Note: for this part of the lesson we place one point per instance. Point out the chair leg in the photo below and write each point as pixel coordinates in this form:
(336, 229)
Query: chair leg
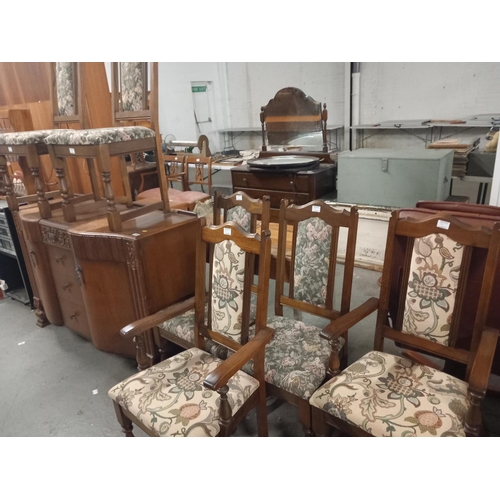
(305, 417)
(262, 425)
(319, 427)
(125, 422)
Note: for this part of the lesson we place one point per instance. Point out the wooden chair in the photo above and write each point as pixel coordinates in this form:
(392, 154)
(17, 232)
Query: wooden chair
(298, 360)
(194, 393)
(386, 395)
(100, 145)
(179, 172)
(290, 115)
(180, 329)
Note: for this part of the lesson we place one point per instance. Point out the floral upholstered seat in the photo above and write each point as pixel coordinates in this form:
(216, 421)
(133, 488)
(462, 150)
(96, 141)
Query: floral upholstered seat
(387, 395)
(169, 398)
(183, 327)
(96, 136)
(30, 137)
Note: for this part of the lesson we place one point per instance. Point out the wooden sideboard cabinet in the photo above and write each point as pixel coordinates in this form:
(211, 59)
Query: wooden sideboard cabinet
(301, 186)
(95, 282)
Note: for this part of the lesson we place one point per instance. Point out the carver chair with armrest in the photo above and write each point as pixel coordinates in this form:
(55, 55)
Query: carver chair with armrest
(195, 393)
(298, 360)
(387, 395)
(179, 328)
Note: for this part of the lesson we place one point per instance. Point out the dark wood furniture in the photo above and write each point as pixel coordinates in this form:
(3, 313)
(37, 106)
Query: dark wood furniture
(291, 115)
(298, 187)
(230, 249)
(95, 281)
(387, 395)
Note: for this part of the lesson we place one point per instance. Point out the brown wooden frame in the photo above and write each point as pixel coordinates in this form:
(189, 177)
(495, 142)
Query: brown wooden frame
(199, 162)
(102, 154)
(248, 349)
(293, 214)
(477, 359)
(291, 110)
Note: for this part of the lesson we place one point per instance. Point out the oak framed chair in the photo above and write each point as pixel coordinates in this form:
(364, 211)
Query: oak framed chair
(382, 394)
(298, 359)
(179, 328)
(195, 393)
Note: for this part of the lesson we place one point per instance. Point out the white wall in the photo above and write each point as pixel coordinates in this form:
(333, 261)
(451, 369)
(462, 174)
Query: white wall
(240, 89)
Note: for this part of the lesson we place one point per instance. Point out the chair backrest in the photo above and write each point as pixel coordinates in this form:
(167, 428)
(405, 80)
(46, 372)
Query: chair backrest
(132, 102)
(202, 171)
(243, 210)
(290, 115)
(314, 247)
(176, 169)
(437, 262)
(67, 94)
(230, 283)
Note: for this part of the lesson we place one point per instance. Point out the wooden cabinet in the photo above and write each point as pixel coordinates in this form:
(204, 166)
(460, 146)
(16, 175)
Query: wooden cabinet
(301, 187)
(95, 282)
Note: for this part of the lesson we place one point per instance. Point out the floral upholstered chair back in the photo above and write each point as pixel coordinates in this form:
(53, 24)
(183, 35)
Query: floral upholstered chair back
(65, 88)
(242, 210)
(227, 290)
(133, 86)
(313, 253)
(435, 269)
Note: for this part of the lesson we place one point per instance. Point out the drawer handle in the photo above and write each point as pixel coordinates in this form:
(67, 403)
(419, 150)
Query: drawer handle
(33, 258)
(59, 258)
(244, 180)
(73, 316)
(66, 286)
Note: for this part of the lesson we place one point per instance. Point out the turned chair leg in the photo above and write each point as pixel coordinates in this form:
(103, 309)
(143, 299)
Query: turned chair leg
(125, 422)
(262, 425)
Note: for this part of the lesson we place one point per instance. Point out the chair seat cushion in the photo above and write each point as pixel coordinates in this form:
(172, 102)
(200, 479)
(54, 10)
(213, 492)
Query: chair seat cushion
(387, 395)
(169, 398)
(296, 358)
(31, 137)
(189, 197)
(182, 326)
(95, 136)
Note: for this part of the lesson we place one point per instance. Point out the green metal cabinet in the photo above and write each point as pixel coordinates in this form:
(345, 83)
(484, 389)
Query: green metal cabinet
(394, 177)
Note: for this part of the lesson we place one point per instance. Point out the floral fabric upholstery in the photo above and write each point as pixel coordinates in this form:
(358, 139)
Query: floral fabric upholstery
(204, 208)
(132, 86)
(387, 395)
(227, 289)
(432, 287)
(31, 137)
(241, 216)
(65, 87)
(169, 398)
(296, 358)
(312, 257)
(95, 136)
(183, 327)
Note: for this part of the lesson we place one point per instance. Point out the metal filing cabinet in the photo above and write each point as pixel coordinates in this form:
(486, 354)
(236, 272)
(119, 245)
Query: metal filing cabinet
(394, 177)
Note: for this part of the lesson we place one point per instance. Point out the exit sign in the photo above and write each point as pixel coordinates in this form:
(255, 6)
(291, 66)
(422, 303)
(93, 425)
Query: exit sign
(199, 88)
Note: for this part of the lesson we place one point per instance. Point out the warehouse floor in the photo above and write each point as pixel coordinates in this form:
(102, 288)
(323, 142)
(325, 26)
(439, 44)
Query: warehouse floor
(55, 383)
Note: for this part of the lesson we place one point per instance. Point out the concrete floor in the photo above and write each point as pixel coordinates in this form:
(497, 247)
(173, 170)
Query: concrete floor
(55, 383)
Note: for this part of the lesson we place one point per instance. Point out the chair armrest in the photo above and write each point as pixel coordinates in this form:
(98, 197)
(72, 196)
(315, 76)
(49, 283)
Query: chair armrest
(481, 369)
(143, 324)
(220, 376)
(340, 325)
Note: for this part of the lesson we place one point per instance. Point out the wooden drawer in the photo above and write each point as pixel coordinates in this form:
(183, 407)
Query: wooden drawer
(284, 181)
(75, 317)
(276, 196)
(64, 275)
